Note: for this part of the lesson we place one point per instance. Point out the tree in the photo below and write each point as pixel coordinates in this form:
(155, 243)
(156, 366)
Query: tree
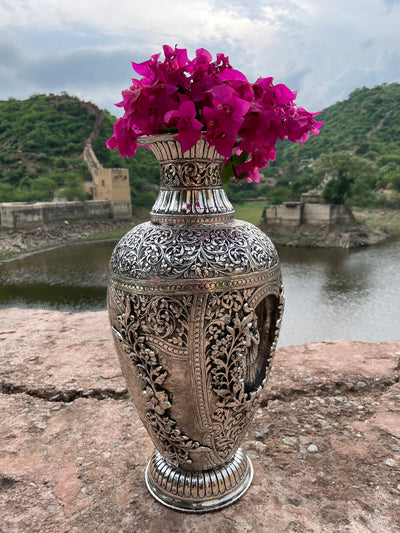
(346, 177)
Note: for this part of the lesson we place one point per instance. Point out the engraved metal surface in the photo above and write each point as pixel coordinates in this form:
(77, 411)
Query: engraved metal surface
(195, 310)
(201, 251)
(191, 189)
(199, 491)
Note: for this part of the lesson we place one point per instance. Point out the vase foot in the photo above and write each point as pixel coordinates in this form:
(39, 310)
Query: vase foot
(198, 492)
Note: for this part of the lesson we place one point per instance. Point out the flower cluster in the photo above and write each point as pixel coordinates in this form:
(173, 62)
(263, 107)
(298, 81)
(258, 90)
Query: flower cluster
(209, 99)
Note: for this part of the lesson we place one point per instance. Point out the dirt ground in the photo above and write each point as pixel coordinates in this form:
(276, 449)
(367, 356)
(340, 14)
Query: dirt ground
(388, 219)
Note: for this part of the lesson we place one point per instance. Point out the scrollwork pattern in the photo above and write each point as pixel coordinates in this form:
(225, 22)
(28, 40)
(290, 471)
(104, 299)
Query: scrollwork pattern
(191, 174)
(231, 343)
(162, 251)
(136, 318)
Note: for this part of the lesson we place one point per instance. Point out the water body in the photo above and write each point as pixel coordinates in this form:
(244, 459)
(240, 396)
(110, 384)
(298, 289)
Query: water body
(330, 294)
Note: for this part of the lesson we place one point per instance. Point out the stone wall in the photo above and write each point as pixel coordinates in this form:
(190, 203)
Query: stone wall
(288, 214)
(316, 214)
(16, 215)
(295, 214)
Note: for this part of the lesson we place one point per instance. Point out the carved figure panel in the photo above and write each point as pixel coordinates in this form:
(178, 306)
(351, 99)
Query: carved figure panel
(136, 318)
(236, 367)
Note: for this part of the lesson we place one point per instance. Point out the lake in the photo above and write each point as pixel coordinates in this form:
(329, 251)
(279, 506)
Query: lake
(330, 294)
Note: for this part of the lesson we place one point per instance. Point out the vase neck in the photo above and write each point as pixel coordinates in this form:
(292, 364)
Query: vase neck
(191, 190)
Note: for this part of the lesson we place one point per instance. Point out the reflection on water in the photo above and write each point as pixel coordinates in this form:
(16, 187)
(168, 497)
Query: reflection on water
(338, 294)
(330, 294)
(70, 278)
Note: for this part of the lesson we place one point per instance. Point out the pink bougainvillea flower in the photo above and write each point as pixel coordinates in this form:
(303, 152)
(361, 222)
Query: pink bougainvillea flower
(222, 62)
(283, 95)
(124, 138)
(146, 68)
(176, 57)
(203, 57)
(189, 128)
(230, 75)
(300, 124)
(207, 98)
(259, 159)
(225, 118)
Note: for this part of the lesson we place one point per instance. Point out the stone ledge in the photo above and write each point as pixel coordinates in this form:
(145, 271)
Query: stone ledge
(325, 450)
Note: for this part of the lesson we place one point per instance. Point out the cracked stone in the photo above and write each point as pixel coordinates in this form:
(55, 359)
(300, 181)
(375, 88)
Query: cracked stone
(344, 475)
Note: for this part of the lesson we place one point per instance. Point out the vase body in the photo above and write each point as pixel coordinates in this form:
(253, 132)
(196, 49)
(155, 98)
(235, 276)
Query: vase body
(195, 302)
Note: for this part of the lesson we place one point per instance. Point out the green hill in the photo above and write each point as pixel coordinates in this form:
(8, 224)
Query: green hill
(362, 134)
(356, 156)
(41, 145)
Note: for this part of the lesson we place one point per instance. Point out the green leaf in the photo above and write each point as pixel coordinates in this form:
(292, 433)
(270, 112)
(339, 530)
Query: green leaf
(166, 129)
(227, 171)
(238, 159)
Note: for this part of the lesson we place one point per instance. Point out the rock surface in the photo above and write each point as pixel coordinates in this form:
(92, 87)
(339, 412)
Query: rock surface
(325, 445)
(20, 241)
(325, 236)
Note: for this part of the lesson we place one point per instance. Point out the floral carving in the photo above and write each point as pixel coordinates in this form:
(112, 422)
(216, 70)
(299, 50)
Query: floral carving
(193, 252)
(136, 317)
(191, 174)
(232, 341)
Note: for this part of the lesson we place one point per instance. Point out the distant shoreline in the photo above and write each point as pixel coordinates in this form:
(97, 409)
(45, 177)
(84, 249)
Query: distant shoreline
(380, 224)
(21, 242)
(323, 236)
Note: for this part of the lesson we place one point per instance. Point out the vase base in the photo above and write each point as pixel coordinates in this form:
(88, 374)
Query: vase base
(198, 492)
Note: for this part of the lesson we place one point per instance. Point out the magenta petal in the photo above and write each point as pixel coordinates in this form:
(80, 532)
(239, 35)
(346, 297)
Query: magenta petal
(168, 51)
(187, 109)
(203, 55)
(188, 138)
(224, 145)
(230, 74)
(111, 143)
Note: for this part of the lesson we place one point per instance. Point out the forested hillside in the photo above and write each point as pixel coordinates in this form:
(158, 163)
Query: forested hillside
(355, 158)
(358, 147)
(41, 140)
(41, 145)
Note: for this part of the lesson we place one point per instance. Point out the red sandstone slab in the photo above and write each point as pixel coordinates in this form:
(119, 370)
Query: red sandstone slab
(58, 351)
(326, 452)
(80, 467)
(334, 366)
(64, 351)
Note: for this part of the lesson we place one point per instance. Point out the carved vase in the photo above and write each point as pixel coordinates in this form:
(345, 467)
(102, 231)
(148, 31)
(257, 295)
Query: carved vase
(195, 301)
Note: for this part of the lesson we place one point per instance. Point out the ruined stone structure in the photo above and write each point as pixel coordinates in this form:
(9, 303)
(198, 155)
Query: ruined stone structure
(307, 211)
(110, 191)
(108, 183)
(111, 199)
(20, 214)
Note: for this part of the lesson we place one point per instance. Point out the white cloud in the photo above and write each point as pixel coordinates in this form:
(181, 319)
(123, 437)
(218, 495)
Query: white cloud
(324, 49)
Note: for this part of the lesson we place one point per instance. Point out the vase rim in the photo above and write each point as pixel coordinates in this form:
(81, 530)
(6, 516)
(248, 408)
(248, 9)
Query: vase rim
(149, 139)
(159, 137)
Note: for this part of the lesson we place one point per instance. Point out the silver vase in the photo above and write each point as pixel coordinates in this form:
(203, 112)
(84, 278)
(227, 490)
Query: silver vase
(195, 301)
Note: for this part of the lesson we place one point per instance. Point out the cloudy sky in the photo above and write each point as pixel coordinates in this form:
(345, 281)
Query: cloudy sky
(324, 49)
